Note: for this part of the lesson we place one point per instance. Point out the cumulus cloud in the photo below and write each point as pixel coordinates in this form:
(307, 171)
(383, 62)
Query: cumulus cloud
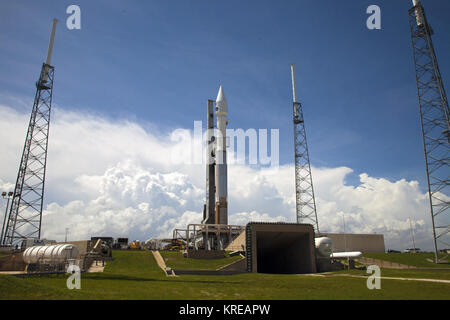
(114, 178)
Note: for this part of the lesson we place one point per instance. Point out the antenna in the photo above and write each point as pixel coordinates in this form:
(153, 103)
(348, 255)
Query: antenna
(305, 203)
(50, 45)
(412, 234)
(49, 51)
(294, 92)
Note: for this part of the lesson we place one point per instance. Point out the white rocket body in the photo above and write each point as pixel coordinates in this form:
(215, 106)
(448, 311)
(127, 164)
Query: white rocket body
(419, 14)
(221, 159)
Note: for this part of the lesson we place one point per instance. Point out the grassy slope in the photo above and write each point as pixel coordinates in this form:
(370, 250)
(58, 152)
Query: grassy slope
(175, 260)
(135, 275)
(412, 259)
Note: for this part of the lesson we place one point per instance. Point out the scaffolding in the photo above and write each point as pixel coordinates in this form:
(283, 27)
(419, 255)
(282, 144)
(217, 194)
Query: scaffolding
(211, 236)
(25, 214)
(435, 125)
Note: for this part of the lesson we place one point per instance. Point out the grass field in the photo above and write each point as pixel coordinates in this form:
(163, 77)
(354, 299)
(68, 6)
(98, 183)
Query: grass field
(175, 260)
(135, 275)
(412, 259)
(404, 273)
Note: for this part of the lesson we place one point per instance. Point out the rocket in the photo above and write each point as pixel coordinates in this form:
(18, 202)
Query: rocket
(221, 179)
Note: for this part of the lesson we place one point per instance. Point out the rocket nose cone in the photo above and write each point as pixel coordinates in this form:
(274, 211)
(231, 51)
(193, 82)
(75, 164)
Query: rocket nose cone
(221, 95)
(221, 101)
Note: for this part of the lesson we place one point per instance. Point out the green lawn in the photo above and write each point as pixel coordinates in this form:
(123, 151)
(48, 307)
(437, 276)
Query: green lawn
(135, 275)
(175, 260)
(412, 259)
(403, 273)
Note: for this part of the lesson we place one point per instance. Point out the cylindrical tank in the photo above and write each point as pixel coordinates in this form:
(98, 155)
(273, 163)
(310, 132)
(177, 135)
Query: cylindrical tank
(324, 247)
(50, 254)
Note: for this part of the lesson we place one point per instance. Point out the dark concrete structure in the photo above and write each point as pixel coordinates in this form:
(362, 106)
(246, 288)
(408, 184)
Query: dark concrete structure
(13, 262)
(280, 248)
(205, 254)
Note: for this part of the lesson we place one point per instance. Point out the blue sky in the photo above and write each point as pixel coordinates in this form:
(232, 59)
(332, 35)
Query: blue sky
(157, 62)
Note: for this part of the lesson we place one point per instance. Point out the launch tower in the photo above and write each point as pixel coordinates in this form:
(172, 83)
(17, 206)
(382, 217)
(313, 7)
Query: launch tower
(435, 123)
(25, 214)
(305, 202)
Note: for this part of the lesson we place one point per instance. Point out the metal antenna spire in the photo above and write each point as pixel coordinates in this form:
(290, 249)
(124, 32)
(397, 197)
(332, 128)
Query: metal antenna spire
(304, 191)
(25, 215)
(435, 123)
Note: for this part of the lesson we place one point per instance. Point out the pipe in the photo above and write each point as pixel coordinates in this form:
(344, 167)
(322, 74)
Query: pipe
(346, 255)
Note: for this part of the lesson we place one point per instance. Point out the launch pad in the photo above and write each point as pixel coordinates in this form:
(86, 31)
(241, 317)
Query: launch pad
(210, 237)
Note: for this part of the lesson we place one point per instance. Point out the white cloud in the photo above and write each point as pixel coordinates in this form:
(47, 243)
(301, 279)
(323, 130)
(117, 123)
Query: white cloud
(115, 178)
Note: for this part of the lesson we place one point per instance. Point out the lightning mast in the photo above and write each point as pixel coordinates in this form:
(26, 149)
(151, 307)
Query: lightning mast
(305, 202)
(435, 123)
(25, 214)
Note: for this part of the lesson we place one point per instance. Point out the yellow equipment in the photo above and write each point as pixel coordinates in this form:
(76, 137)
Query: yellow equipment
(135, 245)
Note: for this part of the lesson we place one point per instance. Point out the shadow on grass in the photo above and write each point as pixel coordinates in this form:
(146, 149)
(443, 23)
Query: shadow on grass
(120, 277)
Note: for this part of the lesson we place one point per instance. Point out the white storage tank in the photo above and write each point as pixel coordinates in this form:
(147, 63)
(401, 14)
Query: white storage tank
(50, 254)
(324, 247)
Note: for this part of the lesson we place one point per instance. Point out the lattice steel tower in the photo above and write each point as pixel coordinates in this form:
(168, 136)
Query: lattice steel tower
(305, 203)
(434, 116)
(25, 215)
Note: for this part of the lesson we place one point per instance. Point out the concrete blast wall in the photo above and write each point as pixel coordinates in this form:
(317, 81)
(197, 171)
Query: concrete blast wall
(280, 248)
(356, 242)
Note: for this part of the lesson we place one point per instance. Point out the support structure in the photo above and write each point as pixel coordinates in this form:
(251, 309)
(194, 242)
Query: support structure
(210, 205)
(435, 124)
(211, 237)
(25, 214)
(304, 191)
